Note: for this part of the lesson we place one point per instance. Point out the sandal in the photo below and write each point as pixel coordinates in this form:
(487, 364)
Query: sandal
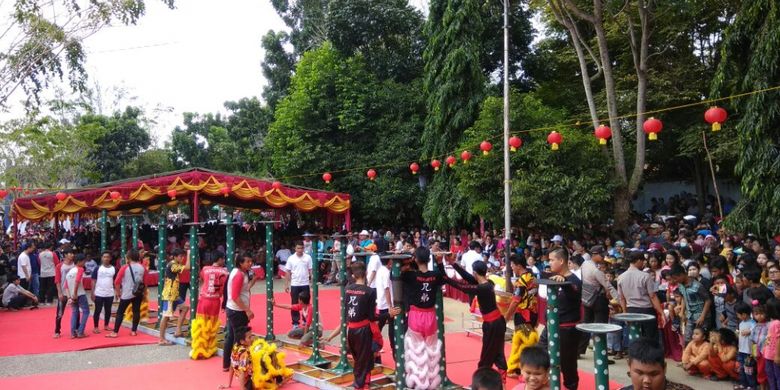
(96, 331)
(112, 335)
(164, 343)
(177, 335)
(56, 335)
(133, 333)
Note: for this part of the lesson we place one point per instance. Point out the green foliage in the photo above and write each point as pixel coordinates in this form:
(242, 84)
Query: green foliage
(546, 185)
(388, 35)
(230, 144)
(336, 115)
(277, 66)
(751, 54)
(149, 162)
(116, 139)
(43, 153)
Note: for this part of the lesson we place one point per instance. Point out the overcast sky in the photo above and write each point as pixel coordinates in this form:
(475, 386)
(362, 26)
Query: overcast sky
(190, 59)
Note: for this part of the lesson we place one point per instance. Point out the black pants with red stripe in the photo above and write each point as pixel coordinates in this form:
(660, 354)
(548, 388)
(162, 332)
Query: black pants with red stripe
(493, 345)
(359, 344)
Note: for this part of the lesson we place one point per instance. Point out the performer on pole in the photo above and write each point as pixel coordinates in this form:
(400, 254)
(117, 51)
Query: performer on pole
(523, 310)
(213, 278)
(493, 323)
(361, 311)
(422, 348)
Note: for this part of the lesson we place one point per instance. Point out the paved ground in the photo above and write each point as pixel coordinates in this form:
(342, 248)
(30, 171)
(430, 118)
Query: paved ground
(147, 354)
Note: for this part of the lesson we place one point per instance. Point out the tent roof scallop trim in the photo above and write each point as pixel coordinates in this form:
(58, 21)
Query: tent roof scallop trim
(151, 192)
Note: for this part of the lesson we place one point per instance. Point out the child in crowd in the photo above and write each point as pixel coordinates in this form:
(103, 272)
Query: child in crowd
(696, 353)
(718, 290)
(747, 379)
(757, 340)
(486, 379)
(534, 367)
(241, 360)
(771, 352)
(729, 318)
(723, 355)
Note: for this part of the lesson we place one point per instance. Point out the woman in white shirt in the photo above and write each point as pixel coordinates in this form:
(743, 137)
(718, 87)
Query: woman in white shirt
(103, 292)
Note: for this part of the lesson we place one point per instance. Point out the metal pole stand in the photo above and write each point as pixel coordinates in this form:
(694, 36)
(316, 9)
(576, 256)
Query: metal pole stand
(134, 227)
(445, 381)
(103, 231)
(194, 269)
(315, 359)
(269, 282)
(599, 332)
(633, 320)
(123, 239)
(399, 324)
(230, 246)
(342, 367)
(554, 346)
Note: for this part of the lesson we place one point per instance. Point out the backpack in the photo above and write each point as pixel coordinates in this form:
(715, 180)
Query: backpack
(139, 288)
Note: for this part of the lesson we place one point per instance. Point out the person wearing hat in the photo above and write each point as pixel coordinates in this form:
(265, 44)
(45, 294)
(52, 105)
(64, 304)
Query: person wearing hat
(364, 239)
(15, 296)
(596, 293)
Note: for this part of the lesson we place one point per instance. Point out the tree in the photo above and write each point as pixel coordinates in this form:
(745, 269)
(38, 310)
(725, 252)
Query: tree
(149, 162)
(338, 117)
(750, 55)
(43, 152)
(388, 35)
(620, 50)
(277, 66)
(547, 185)
(454, 87)
(231, 144)
(117, 139)
(43, 41)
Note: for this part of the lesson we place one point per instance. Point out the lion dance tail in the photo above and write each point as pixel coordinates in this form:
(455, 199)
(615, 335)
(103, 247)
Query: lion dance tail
(268, 368)
(520, 340)
(204, 336)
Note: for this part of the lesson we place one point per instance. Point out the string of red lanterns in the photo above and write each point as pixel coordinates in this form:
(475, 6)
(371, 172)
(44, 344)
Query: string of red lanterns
(603, 133)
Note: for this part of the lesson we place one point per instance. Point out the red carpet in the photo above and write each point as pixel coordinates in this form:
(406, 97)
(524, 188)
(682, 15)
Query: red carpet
(184, 374)
(29, 332)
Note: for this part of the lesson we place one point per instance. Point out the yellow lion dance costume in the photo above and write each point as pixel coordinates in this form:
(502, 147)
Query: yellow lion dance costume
(268, 368)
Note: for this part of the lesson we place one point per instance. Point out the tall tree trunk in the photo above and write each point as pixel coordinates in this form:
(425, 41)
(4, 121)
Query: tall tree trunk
(700, 183)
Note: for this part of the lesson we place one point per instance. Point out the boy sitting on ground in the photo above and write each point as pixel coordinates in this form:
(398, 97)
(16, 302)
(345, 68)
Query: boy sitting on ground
(304, 307)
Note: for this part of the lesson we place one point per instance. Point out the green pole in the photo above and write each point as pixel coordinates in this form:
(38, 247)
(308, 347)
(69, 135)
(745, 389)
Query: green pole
(230, 247)
(315, 359)
(103, 231)
(134, 227)
(445, 381)
(398, 325)
(161, 233)
(343, 366)
(633, 331)
(193, 270)
(269, 282)
(552, 337)
(600, 361)
(123, 238)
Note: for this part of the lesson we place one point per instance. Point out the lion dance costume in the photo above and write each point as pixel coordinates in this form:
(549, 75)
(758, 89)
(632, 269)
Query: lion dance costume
(525, 316)
(422, 347)
(268, 368)
(206, 322)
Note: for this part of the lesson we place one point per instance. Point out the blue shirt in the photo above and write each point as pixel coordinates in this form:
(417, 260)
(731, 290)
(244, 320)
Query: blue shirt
(35, 264)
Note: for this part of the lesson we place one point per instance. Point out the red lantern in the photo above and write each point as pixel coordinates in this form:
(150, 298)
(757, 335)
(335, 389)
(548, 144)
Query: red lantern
(115, 195)
(485, 147)
(465, 156)
(3, 194)
(554, 139)
(61, 196)
(515, 143)
(715, 116)
(414, 167)
(435, 164)
(451, 161)
(172, 194)
(225, 190)
(276, 185)
(603, 133)
(327, 177)
(652, 127)
(371, 174)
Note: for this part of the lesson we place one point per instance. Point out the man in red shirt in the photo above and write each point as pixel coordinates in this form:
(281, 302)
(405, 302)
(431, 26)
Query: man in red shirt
(212, 281)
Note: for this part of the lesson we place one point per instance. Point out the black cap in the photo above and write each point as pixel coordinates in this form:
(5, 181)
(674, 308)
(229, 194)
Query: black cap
(597, 250)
